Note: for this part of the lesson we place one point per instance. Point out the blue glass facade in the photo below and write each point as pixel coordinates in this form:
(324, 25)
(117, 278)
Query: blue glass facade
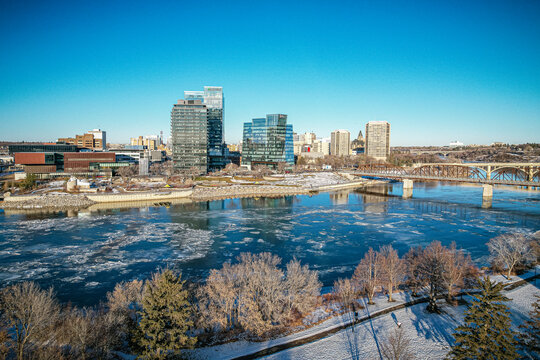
(268, 141)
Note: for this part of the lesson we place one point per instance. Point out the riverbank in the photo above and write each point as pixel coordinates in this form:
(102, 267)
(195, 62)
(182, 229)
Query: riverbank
(372, 326)
(57, 201)
(211, 188)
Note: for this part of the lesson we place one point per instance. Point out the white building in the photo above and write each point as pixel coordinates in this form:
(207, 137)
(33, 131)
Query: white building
(378, 139)
(340, 142)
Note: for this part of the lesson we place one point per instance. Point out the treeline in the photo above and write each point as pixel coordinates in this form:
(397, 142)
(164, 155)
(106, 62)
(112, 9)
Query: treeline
(253, 298)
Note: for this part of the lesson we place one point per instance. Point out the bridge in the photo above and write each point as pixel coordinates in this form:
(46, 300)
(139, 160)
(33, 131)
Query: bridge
(488, 174)
(517, 174)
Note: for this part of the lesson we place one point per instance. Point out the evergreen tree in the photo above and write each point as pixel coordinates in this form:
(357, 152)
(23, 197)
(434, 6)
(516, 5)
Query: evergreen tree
(165, 317)
(530, 338)
(486, 333)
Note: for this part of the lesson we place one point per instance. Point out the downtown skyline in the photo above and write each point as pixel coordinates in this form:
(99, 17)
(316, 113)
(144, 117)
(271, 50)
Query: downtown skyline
(437, 72)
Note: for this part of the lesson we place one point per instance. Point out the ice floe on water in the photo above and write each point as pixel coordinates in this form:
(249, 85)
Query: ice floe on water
(105, 248)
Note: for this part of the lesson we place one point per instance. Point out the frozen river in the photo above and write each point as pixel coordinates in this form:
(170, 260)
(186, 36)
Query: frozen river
(85, 254)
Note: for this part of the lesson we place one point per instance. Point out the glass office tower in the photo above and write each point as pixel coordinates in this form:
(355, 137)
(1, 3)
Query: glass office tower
(189, 134)
(212, 97)
(268, 141)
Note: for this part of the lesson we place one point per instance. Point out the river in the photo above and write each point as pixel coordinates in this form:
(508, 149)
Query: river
(84, 254)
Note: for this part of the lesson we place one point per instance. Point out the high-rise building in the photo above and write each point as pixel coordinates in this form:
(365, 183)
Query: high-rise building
(268, 141)
(212, 97)
(378, 139)
(340, 141)
(189, 134)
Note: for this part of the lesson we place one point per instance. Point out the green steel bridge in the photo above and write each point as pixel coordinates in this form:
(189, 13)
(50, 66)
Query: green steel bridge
(517, 174)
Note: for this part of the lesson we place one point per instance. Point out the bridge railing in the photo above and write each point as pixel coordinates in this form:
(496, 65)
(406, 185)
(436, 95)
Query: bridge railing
(442, 178)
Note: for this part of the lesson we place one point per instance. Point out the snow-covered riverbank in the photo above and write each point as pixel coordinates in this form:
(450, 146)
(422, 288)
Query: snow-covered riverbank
(430, 334)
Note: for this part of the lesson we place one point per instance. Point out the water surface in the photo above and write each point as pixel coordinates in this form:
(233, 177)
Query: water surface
(84, 254)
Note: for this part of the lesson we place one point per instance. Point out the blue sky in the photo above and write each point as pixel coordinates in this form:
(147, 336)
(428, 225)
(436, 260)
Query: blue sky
(438, 71)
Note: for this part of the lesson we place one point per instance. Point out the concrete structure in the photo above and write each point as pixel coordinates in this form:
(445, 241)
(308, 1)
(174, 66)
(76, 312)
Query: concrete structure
(340, 141)
(377, 140)
(487, 191)
(144, 166)
(268, 141)
(407, 188)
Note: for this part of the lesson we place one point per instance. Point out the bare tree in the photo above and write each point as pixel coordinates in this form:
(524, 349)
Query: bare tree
(128, 171)
(80, 331)
(392, 269)
(509, 250)
(218, 299)
(5, 344)
(367, 274)
(261, 295)
(232, 169)
(346, 293)
(281, 167)
(302, 287)
(397, 346)
(432, 268)
(256, 295)
(125, 295)
(124, 304)
(415, 278)
(31, 312)
(261, 170)
(456, 268)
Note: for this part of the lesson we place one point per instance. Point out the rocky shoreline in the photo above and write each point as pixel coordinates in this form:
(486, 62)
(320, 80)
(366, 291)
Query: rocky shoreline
(57, 201)
(64, 201)
(241, 191)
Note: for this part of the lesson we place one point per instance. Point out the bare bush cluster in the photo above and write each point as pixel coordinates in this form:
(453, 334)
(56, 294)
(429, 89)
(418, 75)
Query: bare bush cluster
(442, 269)
(514, 249)
(34, 325)
(255, 296)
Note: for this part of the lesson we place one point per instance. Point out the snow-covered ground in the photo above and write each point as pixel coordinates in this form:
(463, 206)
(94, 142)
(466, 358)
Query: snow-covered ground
(312, 179)
(430, 334)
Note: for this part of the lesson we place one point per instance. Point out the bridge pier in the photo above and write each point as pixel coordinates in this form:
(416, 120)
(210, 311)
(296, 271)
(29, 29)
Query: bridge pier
(488, 191)
(407, 188)
(487, 196)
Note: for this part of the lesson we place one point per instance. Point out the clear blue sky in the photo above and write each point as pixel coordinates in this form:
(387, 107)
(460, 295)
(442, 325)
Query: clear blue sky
(436, 70)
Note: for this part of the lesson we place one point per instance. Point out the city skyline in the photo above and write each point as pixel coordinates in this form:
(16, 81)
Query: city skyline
(438, 72)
